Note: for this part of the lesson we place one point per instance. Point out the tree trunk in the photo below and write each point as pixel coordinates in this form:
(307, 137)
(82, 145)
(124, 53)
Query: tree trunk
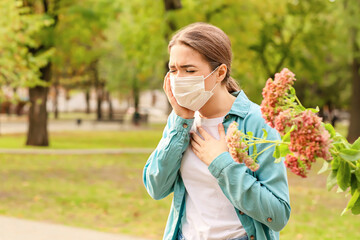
(37, 132)
(111, 111)
(87, 99)
(99, 97)
(99, 89)
(136, 98)
(56, 102)
(170, 5)
(354, 129)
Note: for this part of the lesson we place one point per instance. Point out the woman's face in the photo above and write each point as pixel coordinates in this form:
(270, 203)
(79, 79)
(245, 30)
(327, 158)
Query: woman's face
(185, 62)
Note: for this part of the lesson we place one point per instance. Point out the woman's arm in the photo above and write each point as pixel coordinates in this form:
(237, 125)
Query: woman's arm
(263, 195)
(162, 167)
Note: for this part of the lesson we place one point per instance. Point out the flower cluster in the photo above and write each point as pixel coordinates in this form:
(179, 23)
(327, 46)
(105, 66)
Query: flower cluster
(309, 139)
(274, 94)
(238, 147)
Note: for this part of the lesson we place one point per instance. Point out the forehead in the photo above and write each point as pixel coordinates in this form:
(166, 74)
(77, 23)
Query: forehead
(182, 55)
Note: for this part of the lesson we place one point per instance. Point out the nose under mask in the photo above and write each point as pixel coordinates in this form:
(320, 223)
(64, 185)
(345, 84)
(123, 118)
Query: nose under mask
(190, 92)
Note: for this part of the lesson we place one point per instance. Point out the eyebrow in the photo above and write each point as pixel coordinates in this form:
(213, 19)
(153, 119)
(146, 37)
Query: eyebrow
(183, 66)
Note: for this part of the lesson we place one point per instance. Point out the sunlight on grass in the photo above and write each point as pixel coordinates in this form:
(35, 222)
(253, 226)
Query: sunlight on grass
(105, 192)
(316, 212)
(90, 140)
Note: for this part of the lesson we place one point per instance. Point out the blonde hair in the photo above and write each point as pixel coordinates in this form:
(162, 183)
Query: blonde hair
(212, 43)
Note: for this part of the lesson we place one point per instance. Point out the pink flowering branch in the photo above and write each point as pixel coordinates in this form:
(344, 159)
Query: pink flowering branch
(304, 140)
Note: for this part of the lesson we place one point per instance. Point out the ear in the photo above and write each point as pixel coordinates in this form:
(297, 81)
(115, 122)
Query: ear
(221, 72)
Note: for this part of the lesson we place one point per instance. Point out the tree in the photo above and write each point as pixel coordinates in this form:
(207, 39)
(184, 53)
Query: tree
(37, 131)
(79, 40)
(18, 66)
(137, 51)
(351, 15)
(267, 36)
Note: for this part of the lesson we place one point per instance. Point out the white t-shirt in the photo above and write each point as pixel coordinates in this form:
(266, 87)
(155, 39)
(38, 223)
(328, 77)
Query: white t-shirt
(209, 214)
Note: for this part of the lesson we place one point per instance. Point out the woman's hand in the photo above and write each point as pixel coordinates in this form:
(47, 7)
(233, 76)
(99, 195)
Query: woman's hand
(209, 148)
(179, 110)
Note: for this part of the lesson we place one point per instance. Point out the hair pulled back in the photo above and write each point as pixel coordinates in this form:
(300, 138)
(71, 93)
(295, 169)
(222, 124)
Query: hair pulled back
(212, 43)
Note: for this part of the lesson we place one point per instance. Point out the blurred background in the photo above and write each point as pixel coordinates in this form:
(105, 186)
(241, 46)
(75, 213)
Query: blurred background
(87, 75)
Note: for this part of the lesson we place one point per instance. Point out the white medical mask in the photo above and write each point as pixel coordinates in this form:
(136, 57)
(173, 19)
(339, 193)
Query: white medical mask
(190, 91)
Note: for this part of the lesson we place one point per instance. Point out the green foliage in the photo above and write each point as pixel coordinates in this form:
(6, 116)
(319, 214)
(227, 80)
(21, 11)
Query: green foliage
(129, 39)
(18, 32)
(79, 38)
(266, 36)
(137, 47)
(345, 168)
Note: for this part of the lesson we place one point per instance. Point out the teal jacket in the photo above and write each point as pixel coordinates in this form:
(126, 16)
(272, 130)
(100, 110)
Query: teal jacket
(261, 198)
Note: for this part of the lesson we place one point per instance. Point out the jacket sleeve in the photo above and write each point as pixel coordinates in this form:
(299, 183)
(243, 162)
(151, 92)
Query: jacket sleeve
(263, 195)
(161, 169)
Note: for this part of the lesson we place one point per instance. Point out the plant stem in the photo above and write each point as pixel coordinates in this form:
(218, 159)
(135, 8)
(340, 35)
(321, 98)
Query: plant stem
(265, 149)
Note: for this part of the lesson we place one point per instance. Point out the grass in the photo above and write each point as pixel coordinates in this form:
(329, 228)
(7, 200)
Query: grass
(147, 138)
(105, 192)
(316, 211)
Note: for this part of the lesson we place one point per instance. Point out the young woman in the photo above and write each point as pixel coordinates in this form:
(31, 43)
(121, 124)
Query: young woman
(214, 196)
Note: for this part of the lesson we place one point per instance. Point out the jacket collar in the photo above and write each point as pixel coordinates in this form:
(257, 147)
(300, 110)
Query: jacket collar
(241, 105)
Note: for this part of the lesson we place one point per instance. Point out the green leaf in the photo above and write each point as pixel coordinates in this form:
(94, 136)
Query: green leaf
(265, 134)
(350, 154)
(276, 153)
(354, 184)
(356, 144)
(356, 208)
(330, 129)
(284, 150)
(278, 160)
(286, 137)
(250, 134)
(255, 151)
(353, 199)
(331, 180)
(292, 91)
(343, 175)
(343, 212)
(314, 110)
(357, 174)
(324, 168)
(335, 163)
(343, 140)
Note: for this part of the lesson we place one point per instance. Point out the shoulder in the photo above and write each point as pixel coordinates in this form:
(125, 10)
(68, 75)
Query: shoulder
(254, 116)
(255, 122)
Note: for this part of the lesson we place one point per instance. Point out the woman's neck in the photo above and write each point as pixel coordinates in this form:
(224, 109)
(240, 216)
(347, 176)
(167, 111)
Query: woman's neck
(218, 105)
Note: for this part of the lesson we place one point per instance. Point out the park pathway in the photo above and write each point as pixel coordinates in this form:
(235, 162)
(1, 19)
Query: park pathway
(19, 229)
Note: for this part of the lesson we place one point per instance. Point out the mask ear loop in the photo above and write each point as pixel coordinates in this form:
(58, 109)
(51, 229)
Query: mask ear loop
(212, 73)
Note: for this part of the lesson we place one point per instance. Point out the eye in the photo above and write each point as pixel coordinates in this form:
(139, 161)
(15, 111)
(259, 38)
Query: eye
(190, 71)
(172, 71)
